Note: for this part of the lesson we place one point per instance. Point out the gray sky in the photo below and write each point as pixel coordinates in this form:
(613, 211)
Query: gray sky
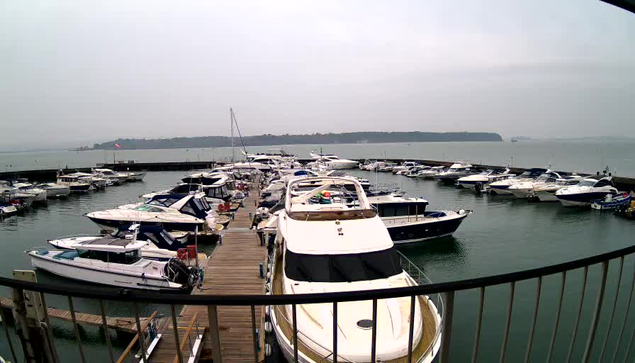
(84, 71)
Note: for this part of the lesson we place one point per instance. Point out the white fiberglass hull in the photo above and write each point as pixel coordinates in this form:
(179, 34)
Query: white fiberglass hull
(65, 268)
(61, 192)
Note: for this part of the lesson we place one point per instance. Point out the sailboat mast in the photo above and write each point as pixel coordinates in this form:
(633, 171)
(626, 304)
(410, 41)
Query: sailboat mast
(231, 121)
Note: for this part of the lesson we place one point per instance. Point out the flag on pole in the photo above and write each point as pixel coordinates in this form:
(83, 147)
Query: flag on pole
(118, 146)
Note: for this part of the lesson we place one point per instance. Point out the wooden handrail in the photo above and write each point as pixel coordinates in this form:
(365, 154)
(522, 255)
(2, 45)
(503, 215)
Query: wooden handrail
(187, 333)
(136, 337)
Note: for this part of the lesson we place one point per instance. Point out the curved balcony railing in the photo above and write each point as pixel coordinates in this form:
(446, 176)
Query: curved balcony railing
(603, 311)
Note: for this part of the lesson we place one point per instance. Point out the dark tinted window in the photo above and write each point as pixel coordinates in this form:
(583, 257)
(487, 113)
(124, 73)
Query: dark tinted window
(342, 268)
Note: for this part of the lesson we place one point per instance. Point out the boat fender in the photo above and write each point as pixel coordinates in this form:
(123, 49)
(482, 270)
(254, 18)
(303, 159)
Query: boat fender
(268, 350)
(268, 327)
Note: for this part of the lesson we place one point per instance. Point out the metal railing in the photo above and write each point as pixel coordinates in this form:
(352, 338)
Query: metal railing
(603, 312)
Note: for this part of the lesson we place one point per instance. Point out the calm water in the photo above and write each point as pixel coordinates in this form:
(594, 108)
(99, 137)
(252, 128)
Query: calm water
(562, 155)
(502, 235)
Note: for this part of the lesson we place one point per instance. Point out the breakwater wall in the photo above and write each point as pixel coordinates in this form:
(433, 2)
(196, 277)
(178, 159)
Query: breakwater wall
(41, 175)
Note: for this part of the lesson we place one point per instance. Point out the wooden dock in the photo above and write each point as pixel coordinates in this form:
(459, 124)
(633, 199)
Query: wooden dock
(124, 324)
(233, 268)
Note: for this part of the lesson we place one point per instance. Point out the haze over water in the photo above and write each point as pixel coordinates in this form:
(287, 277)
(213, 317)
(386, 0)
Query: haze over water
(578, 156)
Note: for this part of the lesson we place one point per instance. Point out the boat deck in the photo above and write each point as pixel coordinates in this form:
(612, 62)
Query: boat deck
(233, 268)
(418, 351)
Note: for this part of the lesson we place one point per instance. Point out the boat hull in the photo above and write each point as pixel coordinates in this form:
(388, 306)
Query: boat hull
(581, 199)
(109, 224)
(101, 277)
(424, 229)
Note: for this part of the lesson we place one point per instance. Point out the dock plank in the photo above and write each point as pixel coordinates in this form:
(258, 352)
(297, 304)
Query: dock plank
(233, 268)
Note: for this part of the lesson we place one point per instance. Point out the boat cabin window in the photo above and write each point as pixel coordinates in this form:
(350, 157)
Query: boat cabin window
(400, 209)
(603, 183)
(587, 183)
(342, 268)
(194, 208)
(126, 258)
(164, 201)
(148, 208)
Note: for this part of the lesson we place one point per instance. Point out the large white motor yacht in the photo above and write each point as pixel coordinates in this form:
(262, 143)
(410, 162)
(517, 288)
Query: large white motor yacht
(590, 189)
(329, 239)
(547, 191)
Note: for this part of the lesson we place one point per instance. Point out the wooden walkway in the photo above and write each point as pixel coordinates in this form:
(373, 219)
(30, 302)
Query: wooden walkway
(233, 268)
(128, 325)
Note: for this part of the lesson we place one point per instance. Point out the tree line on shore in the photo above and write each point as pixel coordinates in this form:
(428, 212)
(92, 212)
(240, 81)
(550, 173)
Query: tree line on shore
(317, 138)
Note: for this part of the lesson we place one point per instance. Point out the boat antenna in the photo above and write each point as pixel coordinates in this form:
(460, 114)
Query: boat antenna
(231, 125)
(234, 121)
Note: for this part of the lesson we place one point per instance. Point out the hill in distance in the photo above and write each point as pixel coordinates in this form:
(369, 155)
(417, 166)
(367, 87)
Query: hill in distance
(317, 138)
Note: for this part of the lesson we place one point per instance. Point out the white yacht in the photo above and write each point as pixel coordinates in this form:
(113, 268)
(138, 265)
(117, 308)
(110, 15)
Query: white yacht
(331, 240)
(525, 189)
(431, 173)
(161, 245)
(408, 221)
(175, 212)
(135, 176)
(484, 178)
(406, 165)
(333, 162)
(39, 194)
(97, 181)
(416, 170)
(456, 171)
(501, 187)
(116, 177)
(54, 190)
(115, 262)
(75, 184)
(590, 189)
(547, 192)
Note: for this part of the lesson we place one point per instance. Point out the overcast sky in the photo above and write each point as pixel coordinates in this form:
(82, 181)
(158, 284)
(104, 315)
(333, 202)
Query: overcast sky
(86, 71)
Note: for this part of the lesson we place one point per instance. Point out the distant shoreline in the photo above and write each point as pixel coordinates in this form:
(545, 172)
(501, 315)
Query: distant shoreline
(279, 140)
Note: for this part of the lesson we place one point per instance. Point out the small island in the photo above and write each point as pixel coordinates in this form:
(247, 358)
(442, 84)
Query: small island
(286, 139)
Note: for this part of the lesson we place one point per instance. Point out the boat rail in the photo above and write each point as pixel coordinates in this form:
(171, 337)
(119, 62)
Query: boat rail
(594, 270)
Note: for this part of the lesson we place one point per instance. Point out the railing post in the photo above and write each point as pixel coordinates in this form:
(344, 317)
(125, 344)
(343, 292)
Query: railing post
(596, 315)
(253, 332)
(447, 326)
(295, 332)
(373, 340)
(509, 320)
(175, 328)
(335, 328)
(479, 320)
(212, 313)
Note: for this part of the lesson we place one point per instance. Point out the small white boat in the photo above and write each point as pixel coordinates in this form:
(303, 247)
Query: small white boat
(39, 194)
(115, 262)
(54, 190)
(501, 187)
(76, 184)
(456, 171)
(135, 176)
(116, 177)
(333, 162)
(587, 191)
(547, 191)
(160, 245)
(406, 165)
(431, 174)
(483, 179)
(525, 189)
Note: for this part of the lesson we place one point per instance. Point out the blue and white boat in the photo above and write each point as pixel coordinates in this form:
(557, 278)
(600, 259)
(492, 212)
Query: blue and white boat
(588, 190)
(612, 202)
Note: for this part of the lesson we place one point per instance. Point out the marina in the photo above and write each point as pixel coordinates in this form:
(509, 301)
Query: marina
(238, 263)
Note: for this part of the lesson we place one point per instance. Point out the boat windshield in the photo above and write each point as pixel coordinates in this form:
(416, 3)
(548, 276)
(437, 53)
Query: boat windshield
(342, 268)
(148, 208)
(587, 183)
